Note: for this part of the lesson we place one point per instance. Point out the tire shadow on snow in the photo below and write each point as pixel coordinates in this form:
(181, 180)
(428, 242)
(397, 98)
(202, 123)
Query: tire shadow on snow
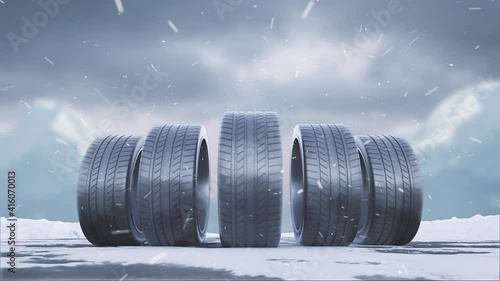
(384, 277)
(423, 252)
(82, 245)
(437, 248)
(471, 245)
(117, 271)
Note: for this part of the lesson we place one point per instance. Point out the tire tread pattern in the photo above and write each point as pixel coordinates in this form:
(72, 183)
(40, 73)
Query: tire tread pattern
(396, 194)
(250, 180)
(102, 192)
(332, 185)
(167, 179)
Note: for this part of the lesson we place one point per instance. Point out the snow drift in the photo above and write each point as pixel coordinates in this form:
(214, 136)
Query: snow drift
(476, 228)
(27, 229)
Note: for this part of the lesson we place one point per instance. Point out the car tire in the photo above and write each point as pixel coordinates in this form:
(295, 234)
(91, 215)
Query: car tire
(107, 191)
(174, 185)
(392, 191)
(250, 180)
(325, 185)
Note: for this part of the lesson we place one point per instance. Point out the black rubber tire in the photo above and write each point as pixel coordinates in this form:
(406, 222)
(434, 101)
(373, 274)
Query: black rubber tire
(250, 182)
(174, 185)
(106, 190)
(325, 185)
(392, 191)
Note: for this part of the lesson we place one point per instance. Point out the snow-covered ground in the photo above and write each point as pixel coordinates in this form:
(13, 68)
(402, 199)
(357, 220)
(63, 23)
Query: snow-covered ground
(445, 249)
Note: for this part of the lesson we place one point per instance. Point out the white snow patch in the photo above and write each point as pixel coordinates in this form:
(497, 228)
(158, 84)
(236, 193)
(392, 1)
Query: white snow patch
(477, 228)
(27, 229)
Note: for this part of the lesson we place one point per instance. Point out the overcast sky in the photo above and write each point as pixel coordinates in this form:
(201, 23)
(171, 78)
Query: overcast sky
(426, 70)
